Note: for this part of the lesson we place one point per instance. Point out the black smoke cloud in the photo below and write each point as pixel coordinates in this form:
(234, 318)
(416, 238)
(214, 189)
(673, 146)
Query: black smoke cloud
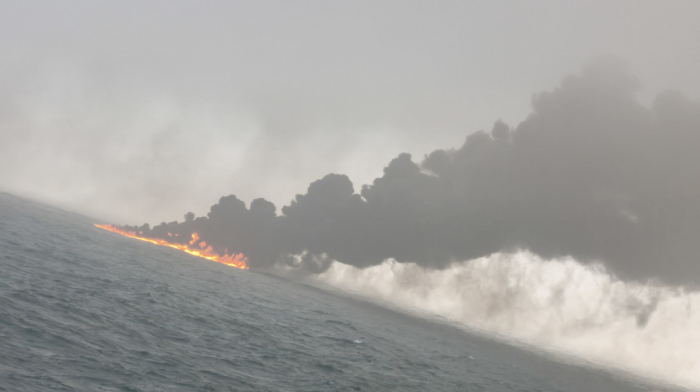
(591, 173)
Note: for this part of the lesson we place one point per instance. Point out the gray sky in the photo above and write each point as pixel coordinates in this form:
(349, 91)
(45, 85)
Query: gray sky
(134, 111)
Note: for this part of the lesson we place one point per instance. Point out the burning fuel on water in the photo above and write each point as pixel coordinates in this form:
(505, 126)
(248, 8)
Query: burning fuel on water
(441, 196)
(237, 260)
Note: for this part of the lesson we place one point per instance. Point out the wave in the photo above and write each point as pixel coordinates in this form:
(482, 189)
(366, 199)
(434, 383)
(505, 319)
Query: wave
(559, 304)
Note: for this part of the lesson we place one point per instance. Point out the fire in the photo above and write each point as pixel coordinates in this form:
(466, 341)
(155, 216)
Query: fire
(237, 260)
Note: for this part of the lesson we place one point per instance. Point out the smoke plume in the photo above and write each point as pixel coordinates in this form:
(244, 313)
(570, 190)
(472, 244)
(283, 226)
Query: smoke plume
(558, 304)
(591, 173)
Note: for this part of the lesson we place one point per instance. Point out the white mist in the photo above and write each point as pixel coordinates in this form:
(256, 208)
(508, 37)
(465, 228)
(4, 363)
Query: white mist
(648, 329)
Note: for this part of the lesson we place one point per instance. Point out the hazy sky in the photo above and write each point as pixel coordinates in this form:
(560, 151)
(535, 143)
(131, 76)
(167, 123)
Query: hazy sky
(139, 111)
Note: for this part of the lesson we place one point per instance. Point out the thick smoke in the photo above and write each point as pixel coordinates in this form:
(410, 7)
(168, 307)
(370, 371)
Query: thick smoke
(591, 173)
(644, 328)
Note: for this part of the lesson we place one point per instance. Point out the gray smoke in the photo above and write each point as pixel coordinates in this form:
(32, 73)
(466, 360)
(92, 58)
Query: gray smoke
(591, 173)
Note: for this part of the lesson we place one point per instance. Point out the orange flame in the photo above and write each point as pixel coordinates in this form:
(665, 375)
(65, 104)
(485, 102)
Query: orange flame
(237, 260)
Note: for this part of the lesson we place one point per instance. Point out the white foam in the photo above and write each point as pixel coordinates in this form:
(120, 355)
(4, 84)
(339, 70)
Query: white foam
(648, 329)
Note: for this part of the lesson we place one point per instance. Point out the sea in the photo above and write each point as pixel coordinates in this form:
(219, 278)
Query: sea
(82, 309)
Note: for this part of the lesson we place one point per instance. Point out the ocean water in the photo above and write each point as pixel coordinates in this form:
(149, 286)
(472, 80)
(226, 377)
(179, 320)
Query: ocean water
(82, 309)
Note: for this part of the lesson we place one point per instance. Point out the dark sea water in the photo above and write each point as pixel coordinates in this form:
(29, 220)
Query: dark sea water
(83, 309)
